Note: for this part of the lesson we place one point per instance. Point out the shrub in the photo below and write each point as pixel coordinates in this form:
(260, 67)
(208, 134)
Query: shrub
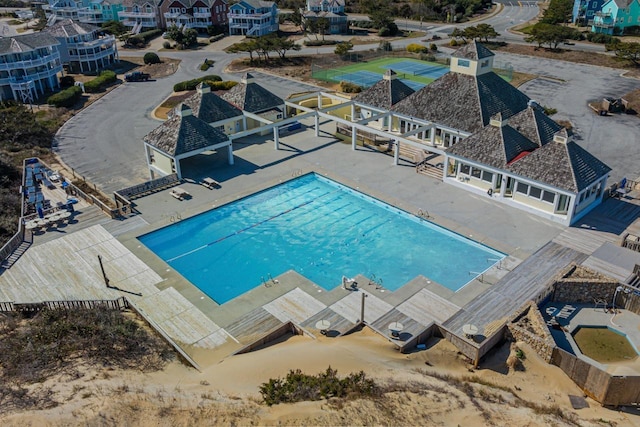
(221, 85)
(191, 84)
(320, 42)
(65, 98)
(208, 63)
(348, 87)
(99, 83)
(453, 42)
(67, 81)
(602, 38)
(166, 45)
(297, 387)
(151, 58)
(216, 38)
(148, 35)
(433, 47)
(429, 57)
(416, 48)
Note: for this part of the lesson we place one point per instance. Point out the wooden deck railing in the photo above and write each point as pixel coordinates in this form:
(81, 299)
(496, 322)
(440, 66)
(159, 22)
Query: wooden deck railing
(116, 304)
(148, 187)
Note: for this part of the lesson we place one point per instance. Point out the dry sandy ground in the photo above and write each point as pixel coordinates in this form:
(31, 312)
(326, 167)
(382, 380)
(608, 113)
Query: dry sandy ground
(226, 393)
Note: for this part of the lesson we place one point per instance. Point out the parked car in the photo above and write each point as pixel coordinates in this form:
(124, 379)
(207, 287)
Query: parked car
(137, 76)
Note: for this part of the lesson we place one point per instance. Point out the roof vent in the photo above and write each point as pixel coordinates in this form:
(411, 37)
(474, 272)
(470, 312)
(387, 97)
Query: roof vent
(497, 120)
(183, 110)
(389, 75)
(561, 136)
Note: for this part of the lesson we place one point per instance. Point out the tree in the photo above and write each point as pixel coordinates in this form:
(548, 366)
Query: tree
(190, 37)
(296, 18)
(628, 51)
(459, 33)
(174, 33)
(486, 32)
(323, 26)
(342, 49)
(551, 35)
(114, 27)
(250, 46)
(558, 12)
(282, 45)
(151, 58)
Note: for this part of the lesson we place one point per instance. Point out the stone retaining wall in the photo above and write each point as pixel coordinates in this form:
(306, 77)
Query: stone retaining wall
(527, 325)
(578, 284)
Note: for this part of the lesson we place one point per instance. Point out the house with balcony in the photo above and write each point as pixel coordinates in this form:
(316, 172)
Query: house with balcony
(29, 66)
(83, 47)
(141, 15)
(615, 16)
(63, 9)
(253, 18)
(584, 11)
(100, 11)
(332, 11)
(198, 14)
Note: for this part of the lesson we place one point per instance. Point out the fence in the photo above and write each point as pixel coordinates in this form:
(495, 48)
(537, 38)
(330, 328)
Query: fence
(116, 304)
(607, 389)
(14, 243)
(127, 194)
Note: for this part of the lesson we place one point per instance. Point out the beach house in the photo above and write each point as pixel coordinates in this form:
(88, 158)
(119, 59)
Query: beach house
(253, 18)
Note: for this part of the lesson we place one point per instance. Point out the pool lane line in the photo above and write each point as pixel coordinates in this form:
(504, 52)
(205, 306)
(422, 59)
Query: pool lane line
(250, 227)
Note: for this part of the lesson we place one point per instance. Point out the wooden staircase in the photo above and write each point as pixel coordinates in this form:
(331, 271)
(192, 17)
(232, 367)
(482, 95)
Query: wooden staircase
(429, 170)
(16, 254)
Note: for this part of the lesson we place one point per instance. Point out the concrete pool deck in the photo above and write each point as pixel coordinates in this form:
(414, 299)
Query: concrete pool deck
(194, 319)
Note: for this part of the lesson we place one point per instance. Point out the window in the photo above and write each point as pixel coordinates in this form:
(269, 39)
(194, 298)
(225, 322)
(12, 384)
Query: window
(184, 10)
(465, 169)
(487, 176)
(463, 63)
(484, 63)
(522, 188)
(476, 173)
(548, 196)
(535, 192)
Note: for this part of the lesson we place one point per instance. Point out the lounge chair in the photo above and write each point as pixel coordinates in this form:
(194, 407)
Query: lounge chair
(210, 183)
(176, 194)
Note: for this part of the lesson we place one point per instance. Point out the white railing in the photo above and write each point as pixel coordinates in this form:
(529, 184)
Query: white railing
(202, 15)
(102, 41)
(31, 63)
(249, 16)
(171, 15)
(92, 56)
(16, 81)
(124, 14)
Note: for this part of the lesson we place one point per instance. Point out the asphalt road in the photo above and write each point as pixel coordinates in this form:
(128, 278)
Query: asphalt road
(104, 141)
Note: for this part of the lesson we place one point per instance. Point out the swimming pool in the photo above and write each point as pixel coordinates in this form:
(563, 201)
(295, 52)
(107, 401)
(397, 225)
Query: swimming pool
(322, 230)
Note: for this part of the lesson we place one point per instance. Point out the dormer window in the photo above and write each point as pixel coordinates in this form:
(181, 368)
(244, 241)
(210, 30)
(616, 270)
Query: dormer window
(463, 63)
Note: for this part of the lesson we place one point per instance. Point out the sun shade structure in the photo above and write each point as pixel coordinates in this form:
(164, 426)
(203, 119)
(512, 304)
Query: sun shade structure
(183, 135)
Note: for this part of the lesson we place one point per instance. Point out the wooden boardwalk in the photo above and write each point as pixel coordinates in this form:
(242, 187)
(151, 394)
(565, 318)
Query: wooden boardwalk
(253, 325)
(517, 287)
(296, 306)
(411, 329)
(339, 325)
(67, 268)
(426, 307)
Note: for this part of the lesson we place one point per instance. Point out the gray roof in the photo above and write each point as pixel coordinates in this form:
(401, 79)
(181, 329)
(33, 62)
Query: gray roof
(386, 93)
(210, 108)
(182, 134)
(562, 165)
(258, 3)
(493, 146)
(473, 50)
(464, 102)
(69, 28)
(535, 125)
(252, 97)
(26, 42)
(518, 147)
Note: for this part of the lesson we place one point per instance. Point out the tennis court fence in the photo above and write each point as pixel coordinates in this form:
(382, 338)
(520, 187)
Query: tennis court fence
(336, 76)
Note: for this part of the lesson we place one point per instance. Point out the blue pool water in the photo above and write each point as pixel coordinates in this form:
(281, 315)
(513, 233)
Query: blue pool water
(322, 230)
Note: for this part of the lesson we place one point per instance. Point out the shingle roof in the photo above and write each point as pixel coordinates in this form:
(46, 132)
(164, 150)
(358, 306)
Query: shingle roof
(250, 96)
(26, 42)
(184, 133)
(535, 125)
(464, 102)
(69, 28)
(473, 50)
(258, 3)
(210, 108)
(493, 146)
(562, 165)
(386, 93)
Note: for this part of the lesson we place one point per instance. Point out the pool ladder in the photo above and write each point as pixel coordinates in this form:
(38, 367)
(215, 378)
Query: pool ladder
(270, 282)
(424, 214)
(479, 275)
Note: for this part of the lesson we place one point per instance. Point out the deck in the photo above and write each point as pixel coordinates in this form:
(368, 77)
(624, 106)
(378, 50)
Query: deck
(517, 287)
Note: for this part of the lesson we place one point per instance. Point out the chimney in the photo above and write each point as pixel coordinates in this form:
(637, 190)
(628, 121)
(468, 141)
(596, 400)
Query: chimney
(389, 75)
(561, 136)
(497, 120)
(203, 88)
(183, 110)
